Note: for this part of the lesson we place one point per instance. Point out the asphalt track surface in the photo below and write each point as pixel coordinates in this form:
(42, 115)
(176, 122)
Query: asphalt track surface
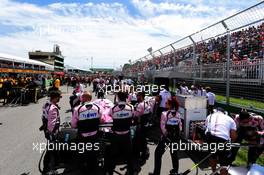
(19, 132)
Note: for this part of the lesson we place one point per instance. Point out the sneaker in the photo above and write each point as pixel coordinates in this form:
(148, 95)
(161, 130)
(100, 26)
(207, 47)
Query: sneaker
(60, 165)
(52, 172)
(145, 156)
(142, 162)
(173, 172)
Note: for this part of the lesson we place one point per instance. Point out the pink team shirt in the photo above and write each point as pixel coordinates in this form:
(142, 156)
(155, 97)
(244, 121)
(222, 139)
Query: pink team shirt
(75, 118)
(164, 119)
(132, 97)
(255, 121)
(152, 102)
(53, 117)
(116, 110)
(105, 106)
(139, 109)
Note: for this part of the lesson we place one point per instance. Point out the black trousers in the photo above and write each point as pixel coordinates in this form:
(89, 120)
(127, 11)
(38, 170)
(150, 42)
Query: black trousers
(88, 158)
(50, 160)
(222, 155)
(210, 109)
(121, 148)
(140, 143)
(94, 87)
(159, 151)
(51, 157)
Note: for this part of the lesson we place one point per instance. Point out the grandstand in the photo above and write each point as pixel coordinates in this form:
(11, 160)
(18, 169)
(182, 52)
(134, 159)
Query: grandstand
(229, 53)
(74, 69)
(106, 70)
(15, 64)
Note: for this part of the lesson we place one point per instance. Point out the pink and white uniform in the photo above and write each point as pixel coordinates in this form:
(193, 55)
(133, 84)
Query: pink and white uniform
(254, 121)
(142, 108)
(139, 109)
(106, 106)
(151, 101)
(167, 118)
(132, 97)
(121, 115)
(89, 114)
(53, 118)
(79, 88)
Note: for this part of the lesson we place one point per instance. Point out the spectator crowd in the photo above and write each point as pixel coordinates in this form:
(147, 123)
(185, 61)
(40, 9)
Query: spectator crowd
(247, 46)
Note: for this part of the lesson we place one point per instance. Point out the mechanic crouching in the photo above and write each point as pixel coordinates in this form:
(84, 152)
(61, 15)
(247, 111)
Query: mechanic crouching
(86, 118)
(250, 127)
(220, 129)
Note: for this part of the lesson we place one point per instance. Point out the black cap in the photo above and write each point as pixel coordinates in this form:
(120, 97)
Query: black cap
(142, 93)
(220, 109)
(243, 115)
(54, 94)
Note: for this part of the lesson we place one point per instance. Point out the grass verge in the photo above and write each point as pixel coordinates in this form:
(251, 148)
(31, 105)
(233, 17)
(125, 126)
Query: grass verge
(242, 102)
(241, 158)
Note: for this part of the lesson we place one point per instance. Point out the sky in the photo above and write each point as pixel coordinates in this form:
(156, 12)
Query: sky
(109, 31)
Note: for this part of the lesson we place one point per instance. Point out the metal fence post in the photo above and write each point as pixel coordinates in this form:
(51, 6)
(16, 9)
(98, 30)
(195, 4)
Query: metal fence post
(261, 71)
(162, 58)
(174, 57)
(224, 68)
(227, 65)
(194, 56)
(138, 68)
(174, 65)
(201, 69)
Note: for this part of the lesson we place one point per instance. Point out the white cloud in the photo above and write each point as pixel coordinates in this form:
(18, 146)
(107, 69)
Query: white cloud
(104, 31)
(147, 8)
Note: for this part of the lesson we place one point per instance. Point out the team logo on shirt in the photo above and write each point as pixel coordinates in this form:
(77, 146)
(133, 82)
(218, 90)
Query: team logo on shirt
(173, 121)
(122, 115)
(88, 115)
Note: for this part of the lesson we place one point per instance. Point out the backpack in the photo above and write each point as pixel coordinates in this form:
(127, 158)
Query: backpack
(173, 130)
(44, 118)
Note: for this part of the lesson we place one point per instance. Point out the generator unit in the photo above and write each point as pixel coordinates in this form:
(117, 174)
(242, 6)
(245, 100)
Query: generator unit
(192, 109)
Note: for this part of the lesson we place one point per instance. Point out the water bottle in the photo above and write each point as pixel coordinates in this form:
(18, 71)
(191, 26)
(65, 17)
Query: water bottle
(132, 131)
(67, 136)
